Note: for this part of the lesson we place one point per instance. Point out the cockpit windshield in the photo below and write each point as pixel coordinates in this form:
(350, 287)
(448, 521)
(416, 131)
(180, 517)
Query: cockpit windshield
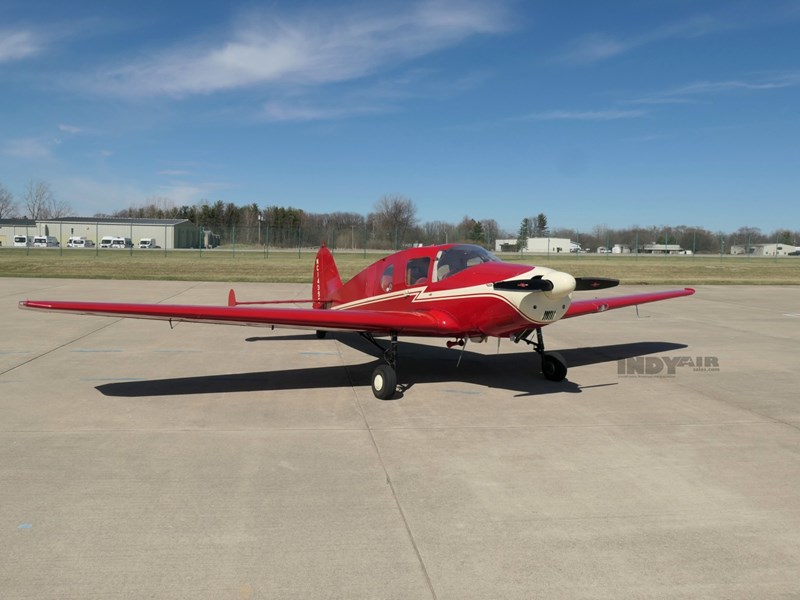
(460, 257)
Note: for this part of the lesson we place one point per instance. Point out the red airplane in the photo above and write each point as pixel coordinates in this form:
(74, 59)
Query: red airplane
(456, 291)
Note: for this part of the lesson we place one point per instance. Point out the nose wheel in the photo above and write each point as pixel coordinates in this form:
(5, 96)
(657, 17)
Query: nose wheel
(554, 367)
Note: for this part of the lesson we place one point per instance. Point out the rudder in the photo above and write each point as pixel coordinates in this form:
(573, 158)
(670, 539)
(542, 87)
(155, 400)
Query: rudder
(326, 278)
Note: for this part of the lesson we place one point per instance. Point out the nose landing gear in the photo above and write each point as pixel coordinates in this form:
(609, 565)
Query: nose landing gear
(554, 367)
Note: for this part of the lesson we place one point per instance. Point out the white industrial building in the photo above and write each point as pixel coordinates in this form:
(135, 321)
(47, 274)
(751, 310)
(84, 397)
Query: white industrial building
(539, 245)
(764, 249)
(663, 249)
(168, 233)
(11, 227)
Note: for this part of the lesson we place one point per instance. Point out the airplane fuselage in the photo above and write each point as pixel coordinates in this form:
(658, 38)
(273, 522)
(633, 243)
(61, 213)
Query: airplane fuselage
(457, 283)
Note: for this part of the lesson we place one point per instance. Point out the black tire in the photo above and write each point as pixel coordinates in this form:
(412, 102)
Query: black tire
(384, 382)
(554, 367)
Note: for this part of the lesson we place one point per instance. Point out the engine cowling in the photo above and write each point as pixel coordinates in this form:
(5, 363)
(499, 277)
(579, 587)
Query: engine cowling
(563, 284)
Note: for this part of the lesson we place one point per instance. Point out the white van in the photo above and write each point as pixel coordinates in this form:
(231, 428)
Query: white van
(79, 242)
(121, 242)
(105, 241)
(23, 241)
(45, 241)
(148, 243)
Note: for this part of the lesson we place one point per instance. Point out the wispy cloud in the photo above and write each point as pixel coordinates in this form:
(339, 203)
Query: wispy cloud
(30, 148)
(182, 192)
(291, 111)
(98, 196)
(691, 92)
(596, 47)
(379, 96)
(19, 44)
(264, 49)
(584, 115)
(69, 128)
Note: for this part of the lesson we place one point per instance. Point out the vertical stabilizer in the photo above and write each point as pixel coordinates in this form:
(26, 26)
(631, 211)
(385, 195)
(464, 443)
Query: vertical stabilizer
(326, 278)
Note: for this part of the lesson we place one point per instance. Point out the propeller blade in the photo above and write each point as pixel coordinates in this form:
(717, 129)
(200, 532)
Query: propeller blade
(534, 284)
(583, 284)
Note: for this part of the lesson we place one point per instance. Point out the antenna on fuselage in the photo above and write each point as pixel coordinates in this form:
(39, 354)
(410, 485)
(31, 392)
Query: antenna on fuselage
(460, 354)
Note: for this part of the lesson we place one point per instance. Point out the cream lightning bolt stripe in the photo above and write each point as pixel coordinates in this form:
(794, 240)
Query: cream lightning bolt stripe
(534, 306)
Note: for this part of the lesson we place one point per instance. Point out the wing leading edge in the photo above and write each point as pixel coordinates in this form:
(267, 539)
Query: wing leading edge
(421, 323)
(409, 323)
(598, 305)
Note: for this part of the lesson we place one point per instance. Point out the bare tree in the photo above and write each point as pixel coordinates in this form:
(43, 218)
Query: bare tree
(491, 230)
(37, 199)
(438, 232)
(59, 208)
(8, 208)
(395, 214)
(41, 203)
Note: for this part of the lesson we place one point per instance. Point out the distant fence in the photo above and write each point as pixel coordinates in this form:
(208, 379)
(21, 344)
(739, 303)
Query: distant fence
(263, 237)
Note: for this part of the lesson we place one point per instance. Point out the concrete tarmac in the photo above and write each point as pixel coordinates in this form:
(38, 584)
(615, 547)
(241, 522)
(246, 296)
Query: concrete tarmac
(139, 461)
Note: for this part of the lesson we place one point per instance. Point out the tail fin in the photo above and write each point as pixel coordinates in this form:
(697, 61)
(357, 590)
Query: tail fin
(326, 278)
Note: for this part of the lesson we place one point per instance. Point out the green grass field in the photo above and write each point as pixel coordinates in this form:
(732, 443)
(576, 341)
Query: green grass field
(296, 267)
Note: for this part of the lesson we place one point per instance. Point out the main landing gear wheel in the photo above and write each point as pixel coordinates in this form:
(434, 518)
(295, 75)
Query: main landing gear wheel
(554, 367)
(384, 382)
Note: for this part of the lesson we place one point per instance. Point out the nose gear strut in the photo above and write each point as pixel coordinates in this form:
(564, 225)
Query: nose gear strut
(554, 367)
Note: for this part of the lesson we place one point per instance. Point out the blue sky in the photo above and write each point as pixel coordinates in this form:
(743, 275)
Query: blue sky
(658, 112)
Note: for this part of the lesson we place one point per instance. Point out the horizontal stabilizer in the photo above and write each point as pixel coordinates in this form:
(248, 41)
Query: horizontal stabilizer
(232, 301)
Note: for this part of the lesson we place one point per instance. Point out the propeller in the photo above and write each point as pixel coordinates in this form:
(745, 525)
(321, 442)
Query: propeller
(538, 284)
(534, 284)
(583, 284)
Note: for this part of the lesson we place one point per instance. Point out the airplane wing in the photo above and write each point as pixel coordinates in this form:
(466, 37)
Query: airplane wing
(409, 323)
(421, 323)
(598, 305)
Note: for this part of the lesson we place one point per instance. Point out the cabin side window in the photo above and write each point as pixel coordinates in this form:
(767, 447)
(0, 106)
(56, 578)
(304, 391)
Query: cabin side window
(386, 278)
(460, 257)
(417, 271)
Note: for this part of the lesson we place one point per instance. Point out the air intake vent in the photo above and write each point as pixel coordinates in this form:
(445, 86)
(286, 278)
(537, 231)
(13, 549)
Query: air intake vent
(549, 315)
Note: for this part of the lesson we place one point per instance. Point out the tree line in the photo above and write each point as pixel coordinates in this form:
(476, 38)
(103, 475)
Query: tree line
(392, 224)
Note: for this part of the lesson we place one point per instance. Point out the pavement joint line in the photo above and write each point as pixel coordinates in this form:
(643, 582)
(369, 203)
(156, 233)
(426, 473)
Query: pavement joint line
(389, 482)
(183, 291)
(49, 287)
(59, 347)
(65, 344)
(766, 418)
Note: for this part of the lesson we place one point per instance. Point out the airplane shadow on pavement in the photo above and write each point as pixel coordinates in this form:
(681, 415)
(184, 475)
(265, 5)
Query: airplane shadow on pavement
(418, 363)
